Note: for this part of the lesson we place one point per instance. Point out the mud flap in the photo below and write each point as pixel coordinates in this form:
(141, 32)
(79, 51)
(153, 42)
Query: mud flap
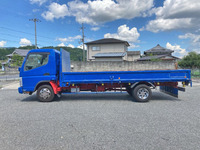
(170, 90)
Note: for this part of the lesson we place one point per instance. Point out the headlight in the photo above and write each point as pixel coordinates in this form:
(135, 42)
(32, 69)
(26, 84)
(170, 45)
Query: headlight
(20, 81)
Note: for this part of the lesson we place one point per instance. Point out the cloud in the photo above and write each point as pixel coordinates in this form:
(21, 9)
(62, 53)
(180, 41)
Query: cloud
(2, 43)
(55, 11)
(194, 41)
(176, 15)
(178, 51)
(25, 42)
(95, 28)
(168, 24)
(179, 9)
(125, 33)
(40, 2)
(80, 46)
(70, 45)
(36, 10)
(193, 37)
(132, 46)
(69, 39)
(61, 45)
(99, 11)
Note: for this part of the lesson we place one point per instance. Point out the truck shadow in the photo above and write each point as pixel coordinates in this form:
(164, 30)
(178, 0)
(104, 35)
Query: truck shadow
(156, 96)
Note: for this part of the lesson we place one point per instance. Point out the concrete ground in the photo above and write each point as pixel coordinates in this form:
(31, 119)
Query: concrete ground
(8, 77)
(9, 84)
(99, 121)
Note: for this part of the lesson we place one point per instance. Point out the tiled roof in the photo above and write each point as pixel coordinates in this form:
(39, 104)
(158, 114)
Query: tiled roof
(107, 41)
(110, 55)
(133, 52)
(21, 52)
(159, 49)
(155, 57)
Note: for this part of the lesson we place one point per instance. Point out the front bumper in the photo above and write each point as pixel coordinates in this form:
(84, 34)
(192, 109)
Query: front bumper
(20, 90)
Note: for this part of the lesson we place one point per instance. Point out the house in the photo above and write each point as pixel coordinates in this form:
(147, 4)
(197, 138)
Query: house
(109, 49)
(158, 53)
(158, 57)
(20, 52)
(133, 55)
(158, 50)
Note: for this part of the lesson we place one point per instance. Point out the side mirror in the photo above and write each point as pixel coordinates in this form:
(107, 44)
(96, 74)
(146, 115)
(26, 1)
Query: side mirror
(19, 69)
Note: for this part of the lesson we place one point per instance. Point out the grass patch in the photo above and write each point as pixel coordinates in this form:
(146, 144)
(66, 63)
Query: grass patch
(195, 77)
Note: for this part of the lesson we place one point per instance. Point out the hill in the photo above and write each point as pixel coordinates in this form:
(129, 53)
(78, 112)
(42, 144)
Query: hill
(4, 52)
(76, 54)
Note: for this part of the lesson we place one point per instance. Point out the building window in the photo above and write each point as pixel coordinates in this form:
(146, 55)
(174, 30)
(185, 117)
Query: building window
(95, 48)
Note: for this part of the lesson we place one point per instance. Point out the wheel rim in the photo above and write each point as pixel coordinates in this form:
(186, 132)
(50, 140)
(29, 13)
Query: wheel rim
(45, 93)
(143, 93)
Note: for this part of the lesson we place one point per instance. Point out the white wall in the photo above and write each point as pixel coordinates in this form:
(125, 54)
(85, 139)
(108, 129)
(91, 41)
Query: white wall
(105, 48)
(133, 57)
(109, 59)
(121, 66)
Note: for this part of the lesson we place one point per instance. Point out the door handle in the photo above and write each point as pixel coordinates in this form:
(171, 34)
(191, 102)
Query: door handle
(46, 74)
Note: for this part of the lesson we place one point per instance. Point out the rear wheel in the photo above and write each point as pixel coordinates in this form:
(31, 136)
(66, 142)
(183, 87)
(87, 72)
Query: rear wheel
(142, 93)
(45, 93)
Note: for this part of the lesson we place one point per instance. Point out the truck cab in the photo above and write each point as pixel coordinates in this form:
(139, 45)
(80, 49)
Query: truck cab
(39, 67)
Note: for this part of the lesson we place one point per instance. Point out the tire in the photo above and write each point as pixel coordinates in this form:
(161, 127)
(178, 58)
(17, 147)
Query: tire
(142, 93)
(58, 96)
(45, 93)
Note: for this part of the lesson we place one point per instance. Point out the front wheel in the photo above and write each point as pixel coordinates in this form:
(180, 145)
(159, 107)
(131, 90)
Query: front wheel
(142, 93)
(45, 93)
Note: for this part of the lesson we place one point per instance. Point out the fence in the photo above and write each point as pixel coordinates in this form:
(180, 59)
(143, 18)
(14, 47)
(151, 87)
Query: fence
(109, 66)
(121, 66)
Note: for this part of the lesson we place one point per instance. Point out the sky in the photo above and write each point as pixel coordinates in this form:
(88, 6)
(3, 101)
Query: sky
(174, 24)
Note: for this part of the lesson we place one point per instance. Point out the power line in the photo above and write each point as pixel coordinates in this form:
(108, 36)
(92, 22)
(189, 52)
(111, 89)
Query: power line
(10, 35)
(25, 32)
(8, 40)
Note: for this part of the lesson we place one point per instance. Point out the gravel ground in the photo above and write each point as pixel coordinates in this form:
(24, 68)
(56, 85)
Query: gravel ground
(104, 121)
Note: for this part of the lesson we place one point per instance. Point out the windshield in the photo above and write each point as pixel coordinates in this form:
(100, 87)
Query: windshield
(36, 60)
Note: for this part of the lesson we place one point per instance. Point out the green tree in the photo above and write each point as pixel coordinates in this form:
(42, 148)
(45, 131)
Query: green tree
(17, 60)
(4, 52)
(27, 47)
(192, 60)
(76, 54)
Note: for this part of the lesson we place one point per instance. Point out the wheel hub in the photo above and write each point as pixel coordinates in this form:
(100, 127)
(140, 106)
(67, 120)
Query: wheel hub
(45, 93)
(143, 93)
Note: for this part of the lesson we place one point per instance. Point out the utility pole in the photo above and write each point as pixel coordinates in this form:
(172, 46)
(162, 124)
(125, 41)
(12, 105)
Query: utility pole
(82, 40)
(35, 20)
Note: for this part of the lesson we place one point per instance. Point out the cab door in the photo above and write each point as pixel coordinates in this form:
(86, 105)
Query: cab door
(36, 69)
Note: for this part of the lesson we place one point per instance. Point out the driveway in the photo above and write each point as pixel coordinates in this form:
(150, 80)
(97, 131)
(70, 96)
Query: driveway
(99, 121)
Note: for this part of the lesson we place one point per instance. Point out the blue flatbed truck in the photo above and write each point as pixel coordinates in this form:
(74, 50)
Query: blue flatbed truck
(47, 71)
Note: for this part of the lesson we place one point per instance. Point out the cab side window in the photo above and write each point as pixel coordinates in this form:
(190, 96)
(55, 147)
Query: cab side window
(36, 60)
